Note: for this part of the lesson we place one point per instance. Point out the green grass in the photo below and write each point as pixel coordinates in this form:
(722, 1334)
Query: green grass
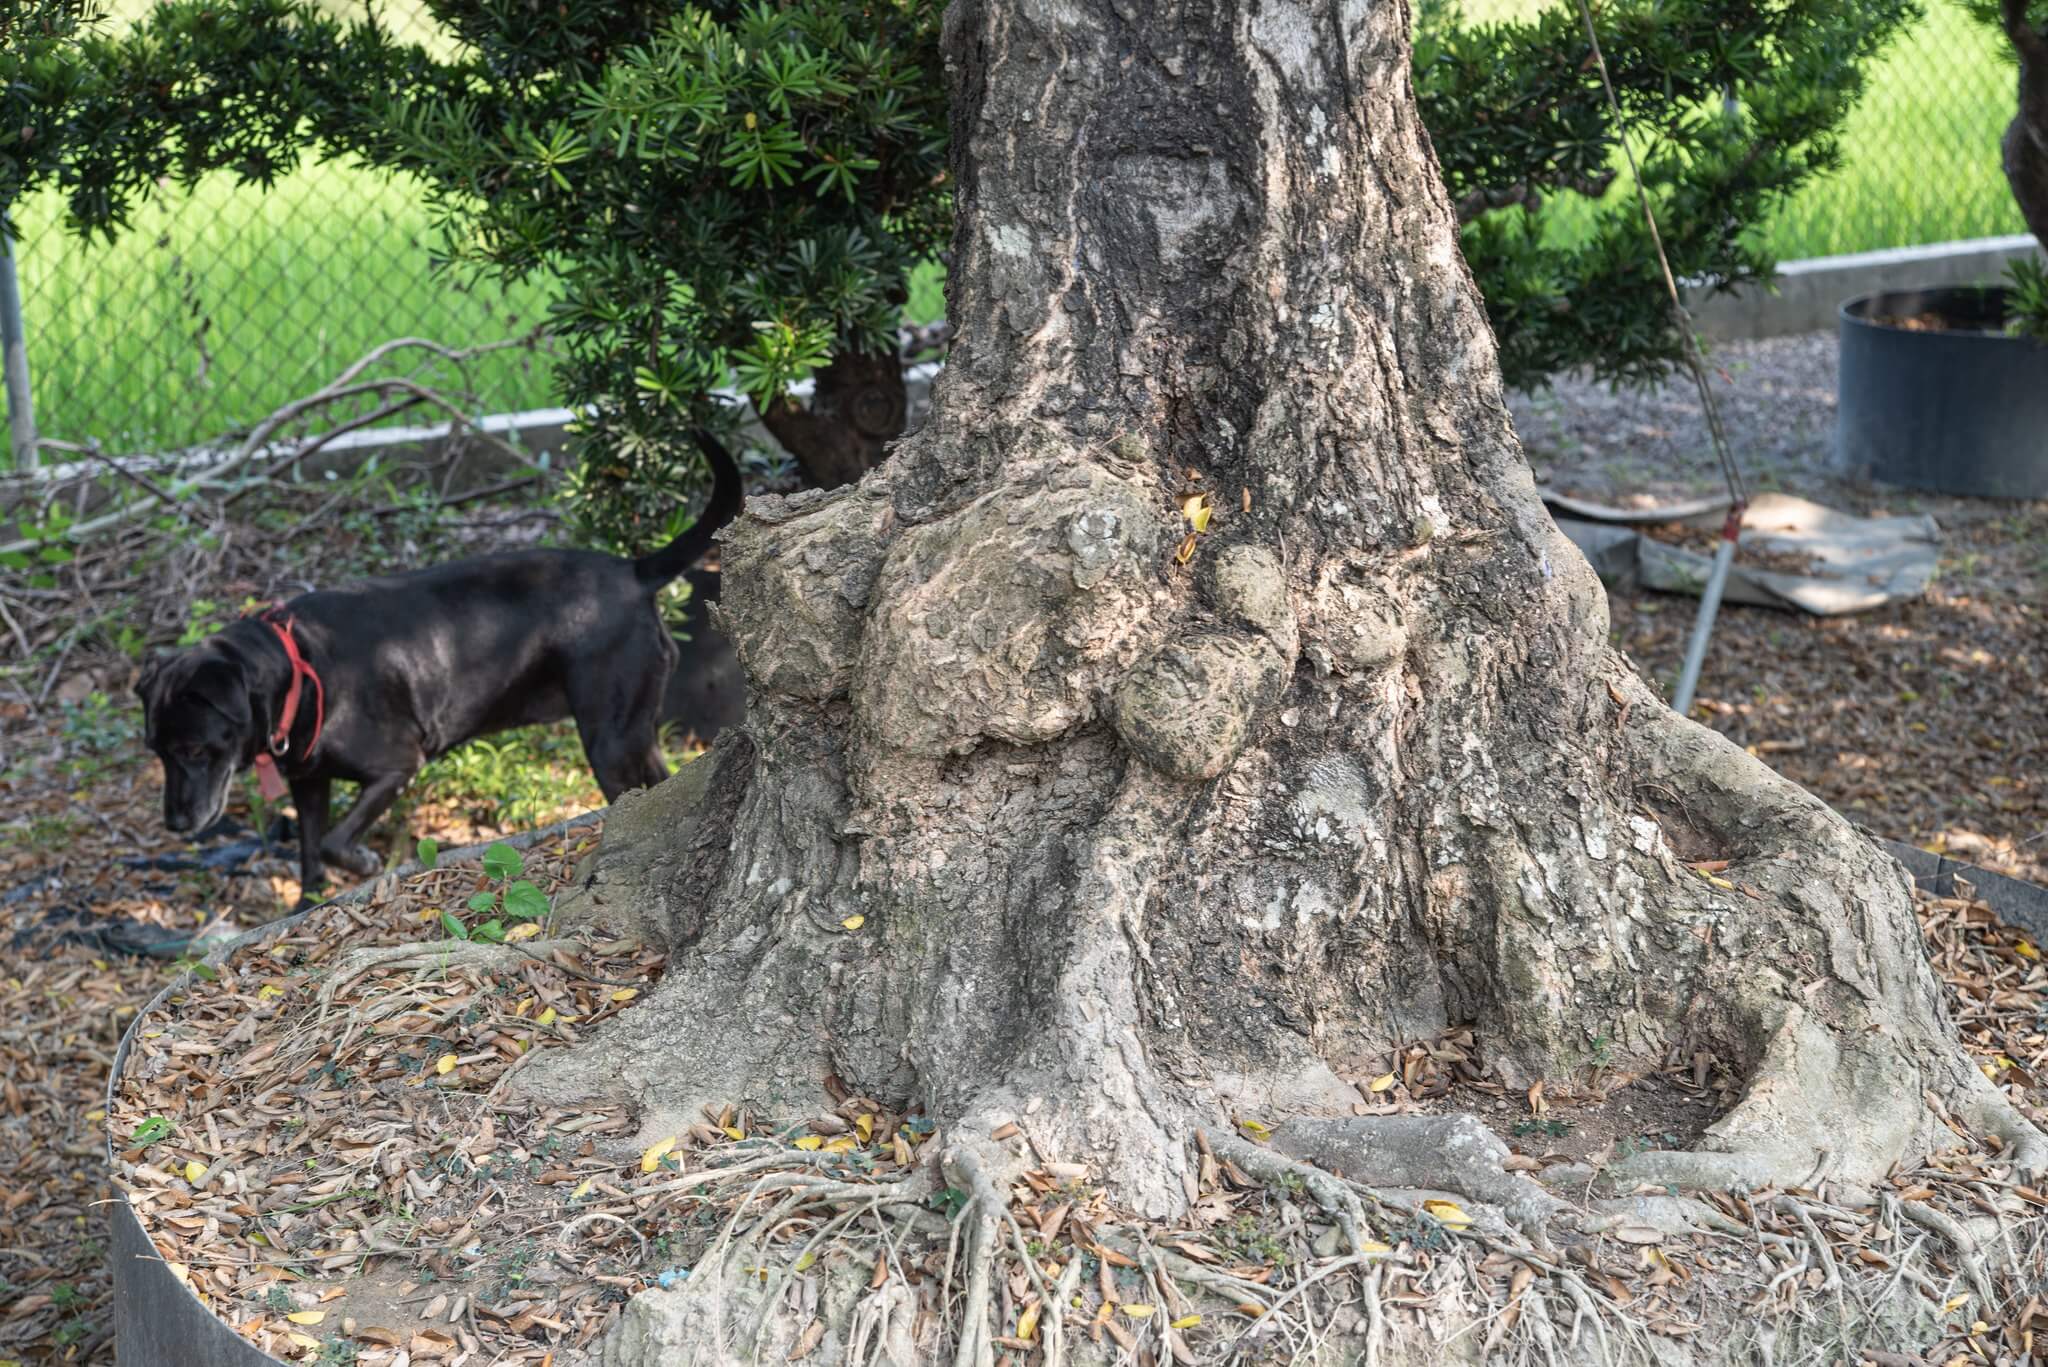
(222, 305)
(1920, 153)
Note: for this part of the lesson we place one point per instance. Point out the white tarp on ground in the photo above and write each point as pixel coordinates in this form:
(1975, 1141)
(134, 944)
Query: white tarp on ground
(1857, 563)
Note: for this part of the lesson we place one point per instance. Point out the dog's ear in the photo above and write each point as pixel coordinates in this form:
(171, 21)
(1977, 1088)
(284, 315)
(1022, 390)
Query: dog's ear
(146, 684)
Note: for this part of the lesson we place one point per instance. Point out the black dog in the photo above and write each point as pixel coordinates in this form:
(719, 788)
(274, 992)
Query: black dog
(369, 682)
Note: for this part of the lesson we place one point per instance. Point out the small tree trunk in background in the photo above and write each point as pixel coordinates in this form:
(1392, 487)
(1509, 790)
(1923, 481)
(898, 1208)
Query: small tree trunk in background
(2026, 137)
(857, 407)
(1149, 828)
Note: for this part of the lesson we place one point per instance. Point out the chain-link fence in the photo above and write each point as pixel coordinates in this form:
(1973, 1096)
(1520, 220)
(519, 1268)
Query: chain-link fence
(221, 305)
(218, 306)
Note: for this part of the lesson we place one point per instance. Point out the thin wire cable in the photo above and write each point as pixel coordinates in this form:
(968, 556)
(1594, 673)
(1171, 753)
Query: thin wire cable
(1695, 360)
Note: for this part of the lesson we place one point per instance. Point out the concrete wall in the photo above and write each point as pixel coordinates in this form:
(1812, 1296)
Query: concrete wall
(1806, 294)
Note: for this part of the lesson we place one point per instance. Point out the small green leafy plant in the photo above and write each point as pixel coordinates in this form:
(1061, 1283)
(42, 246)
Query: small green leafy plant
(2026, 300)
(151, 1130)
(1550, 1126)
(514, 899)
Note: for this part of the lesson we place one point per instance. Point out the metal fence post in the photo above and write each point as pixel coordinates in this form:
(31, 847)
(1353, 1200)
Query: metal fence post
(21, 410)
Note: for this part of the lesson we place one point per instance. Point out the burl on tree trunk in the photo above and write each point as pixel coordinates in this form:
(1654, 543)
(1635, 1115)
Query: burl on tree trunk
(1051, 804)
(2026, 137)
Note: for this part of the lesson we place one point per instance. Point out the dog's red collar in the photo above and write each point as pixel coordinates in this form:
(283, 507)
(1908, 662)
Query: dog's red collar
(279, 742)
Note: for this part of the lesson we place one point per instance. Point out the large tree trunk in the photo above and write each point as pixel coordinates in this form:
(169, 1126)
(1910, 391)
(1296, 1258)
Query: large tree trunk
(1146, 835)
(2025, 145)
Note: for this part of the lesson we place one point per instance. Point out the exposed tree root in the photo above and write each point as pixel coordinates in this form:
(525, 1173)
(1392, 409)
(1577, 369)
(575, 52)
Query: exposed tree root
(986, 1212)
(1967, 1249)
(1439, 1152)
(437, 956)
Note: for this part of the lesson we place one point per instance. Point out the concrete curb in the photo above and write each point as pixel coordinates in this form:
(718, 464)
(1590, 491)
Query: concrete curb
(1805, 295)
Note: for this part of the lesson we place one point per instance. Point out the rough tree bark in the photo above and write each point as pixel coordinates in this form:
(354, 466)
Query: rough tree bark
(2026, 137)
(1140, 844)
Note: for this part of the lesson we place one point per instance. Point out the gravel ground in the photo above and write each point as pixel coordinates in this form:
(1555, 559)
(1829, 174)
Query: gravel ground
(1777, 400)
(1925, 721)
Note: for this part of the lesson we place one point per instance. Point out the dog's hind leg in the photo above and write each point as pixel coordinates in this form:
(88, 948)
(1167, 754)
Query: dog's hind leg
(342, 845)
(311, 797)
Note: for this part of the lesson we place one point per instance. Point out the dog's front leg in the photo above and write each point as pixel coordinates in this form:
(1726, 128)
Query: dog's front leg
(311, 796)
(342, 845)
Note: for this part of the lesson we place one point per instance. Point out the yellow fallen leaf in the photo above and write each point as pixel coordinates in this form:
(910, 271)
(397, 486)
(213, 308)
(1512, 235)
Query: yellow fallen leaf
(843, 1144)
(1373, 1246)
(1953, 1304)
(446, 1064)
(734, 1132)
(302, 1340)
(854, 922)
(523, 932)
(267, 991)
(1187, 1322)
(546, 1017)
(1254, 1128)
(651, 1160)
(811, 1143)
(1187, 550)
(625, 994)
(1027, 1323)
(194, 1170)
(525, 1005)
(180, 1271)
(2026, 950)
(866, 1125)
(1196, 509)
(1138, 1311)
(95, 1117)
(1449, 1212)
(1380, 1083)
(583, 1189)
(805, 1259)
(306, 1316)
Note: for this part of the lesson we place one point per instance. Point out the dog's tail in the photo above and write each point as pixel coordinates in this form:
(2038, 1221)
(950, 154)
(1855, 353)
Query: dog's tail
(687, 549)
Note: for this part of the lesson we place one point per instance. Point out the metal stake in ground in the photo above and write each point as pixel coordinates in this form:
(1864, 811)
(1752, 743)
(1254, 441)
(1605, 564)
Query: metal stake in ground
(1710, 603)
(21, 412)
(1696, 362)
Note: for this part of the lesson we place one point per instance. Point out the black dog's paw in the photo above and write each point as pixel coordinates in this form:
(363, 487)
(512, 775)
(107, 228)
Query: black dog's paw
(354, 859)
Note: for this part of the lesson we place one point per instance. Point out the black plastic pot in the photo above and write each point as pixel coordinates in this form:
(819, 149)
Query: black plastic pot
(1961, 410)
